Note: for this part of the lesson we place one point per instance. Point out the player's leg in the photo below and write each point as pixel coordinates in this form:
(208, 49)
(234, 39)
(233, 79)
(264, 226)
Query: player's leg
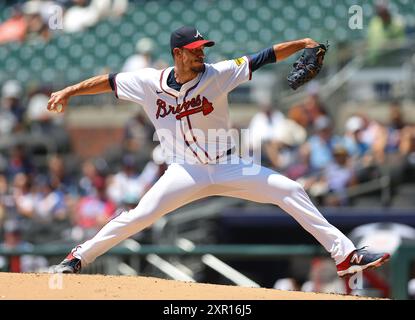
(268, 186)
(179, 185)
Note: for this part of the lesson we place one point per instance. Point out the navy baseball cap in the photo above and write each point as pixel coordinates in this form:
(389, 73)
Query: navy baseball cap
(189, 38)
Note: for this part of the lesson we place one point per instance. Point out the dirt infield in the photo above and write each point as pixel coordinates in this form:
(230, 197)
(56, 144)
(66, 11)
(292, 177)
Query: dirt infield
(99, 287)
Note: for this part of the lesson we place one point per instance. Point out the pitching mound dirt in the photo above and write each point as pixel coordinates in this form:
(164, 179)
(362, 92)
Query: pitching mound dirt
(97, 287)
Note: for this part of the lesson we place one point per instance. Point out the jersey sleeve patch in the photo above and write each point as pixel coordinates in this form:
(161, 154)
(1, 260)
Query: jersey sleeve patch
(239, 61)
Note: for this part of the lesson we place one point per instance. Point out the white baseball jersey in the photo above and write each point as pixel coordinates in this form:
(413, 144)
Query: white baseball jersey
(202, 104)
(192, 124)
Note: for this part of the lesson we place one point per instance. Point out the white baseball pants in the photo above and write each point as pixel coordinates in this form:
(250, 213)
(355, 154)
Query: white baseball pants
(184, 183)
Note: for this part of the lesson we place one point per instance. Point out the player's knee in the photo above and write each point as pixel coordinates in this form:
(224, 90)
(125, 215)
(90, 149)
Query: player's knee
(285, 186)
(293, 188)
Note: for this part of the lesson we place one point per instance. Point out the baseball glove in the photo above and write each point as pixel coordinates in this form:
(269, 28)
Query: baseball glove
(307, 66)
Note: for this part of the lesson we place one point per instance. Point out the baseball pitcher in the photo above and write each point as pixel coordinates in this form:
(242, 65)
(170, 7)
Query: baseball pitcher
(185, 103)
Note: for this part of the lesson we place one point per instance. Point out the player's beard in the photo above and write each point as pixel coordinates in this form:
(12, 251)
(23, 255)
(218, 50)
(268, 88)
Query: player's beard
(198, 69)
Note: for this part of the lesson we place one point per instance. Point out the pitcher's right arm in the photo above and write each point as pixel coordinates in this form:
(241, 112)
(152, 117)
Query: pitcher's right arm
(94, 85)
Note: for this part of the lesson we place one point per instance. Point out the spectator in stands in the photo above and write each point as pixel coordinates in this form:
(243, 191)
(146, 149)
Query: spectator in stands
(49, 201)
(306, 113)
(37, 15)
(319, 147)
(338, 176)
(4, 190)
(90, 174)
(93, 211)
(359, 151)
(354, 144)
(137, 134)
(58, 176)
(330, 184)
(111, 8)
(407, 150)
(84, 14)
(371, 129)
(126, 183)
(23, 263)
(263, 126)
(11, 110)
(80, 16)
(385, 31)
(14, 28)
(297, 113)
(19, 161)
(24, 197)
(388, 140)
(129, 185)
(143, 58)
(283, 150)
(313, 106)
(8, 209)
(386, 148)
(154, 169)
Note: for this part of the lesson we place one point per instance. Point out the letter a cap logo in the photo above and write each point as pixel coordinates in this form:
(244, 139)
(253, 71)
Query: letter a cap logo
(198, 35)
(189, 38)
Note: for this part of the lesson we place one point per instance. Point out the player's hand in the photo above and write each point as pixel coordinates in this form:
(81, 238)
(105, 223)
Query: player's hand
(310, 43)
(58, 101)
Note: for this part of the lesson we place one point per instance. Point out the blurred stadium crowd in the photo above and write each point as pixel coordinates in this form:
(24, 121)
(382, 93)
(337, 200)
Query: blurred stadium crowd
(32, 20)
(48, 194)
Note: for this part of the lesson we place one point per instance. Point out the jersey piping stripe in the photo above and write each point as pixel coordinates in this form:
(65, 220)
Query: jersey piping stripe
(190, 124)
(188, 144)
(185, 140)
(181, 128)
(195, 140)
(161, 84)
(188, 120)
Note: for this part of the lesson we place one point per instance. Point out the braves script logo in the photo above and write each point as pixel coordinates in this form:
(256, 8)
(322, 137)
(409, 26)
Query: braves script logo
(195, 105)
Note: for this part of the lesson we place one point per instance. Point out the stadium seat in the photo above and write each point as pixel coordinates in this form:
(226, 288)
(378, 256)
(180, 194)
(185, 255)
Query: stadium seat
(265, 15)
(103, 30)
(290, 13)
(11, 63)
(252, 24)
(51, 52)
(199, 7)
(23, 75)
(64, 41)
(304, 23)
(301, 4)
(47, 75)
(226, 6)
(4, 12)
(89, 40)
(139, 18)
(126, 49)
(61, 63)
(87, 62)
(238, 14)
